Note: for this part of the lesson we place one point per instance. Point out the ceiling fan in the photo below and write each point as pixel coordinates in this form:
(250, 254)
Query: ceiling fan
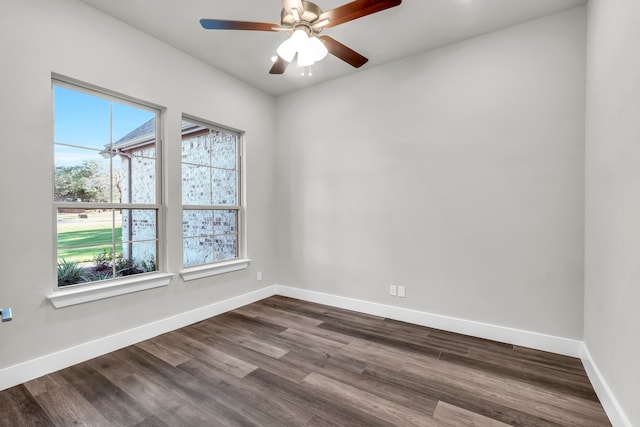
(304, 20)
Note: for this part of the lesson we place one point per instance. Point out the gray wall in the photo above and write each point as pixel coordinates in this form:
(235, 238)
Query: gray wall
(44, 36)
(612, 291)
(458, 173)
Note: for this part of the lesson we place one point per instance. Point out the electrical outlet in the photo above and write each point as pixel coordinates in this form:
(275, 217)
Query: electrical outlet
(402, 292)
(259, 275)
(393, 290)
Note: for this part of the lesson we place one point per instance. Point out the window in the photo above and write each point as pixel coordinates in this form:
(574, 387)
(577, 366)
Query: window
(210, 194)
(107, 186)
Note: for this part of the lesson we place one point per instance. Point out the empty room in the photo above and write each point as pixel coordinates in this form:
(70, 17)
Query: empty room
(296, 213)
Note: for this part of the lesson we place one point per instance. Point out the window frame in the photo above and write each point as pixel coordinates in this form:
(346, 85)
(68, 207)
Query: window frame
(241, 261)
(90, 291)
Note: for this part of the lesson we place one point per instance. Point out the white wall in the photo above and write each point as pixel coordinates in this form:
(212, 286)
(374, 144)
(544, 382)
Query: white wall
(612, 290)
(457, 173)
(38, 37)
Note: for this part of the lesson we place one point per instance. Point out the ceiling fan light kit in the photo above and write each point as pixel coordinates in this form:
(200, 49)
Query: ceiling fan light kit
(304, 20)
(309, 48)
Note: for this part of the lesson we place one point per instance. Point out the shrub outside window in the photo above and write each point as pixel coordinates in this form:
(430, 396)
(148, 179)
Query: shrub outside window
(106, 190)
(210, 194)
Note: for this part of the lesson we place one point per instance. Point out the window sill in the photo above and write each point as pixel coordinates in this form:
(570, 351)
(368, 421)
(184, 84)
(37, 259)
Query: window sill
(201, 271)
(126, 285)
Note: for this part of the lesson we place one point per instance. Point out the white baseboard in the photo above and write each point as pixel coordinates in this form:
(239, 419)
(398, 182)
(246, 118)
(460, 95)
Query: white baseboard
(607, 399)
(26, 371)
(29, 370)
(504, 334)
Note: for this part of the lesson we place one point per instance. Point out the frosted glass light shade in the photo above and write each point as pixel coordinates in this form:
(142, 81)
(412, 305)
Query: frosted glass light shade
(316, 49)
(300, 38)
(309, 49)
(287, 50)
(305, 58)
(296, 43)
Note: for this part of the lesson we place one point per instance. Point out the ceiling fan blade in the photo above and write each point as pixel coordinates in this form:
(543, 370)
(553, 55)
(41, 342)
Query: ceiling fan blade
(293, 4)
(343, 52)
(279, 66)
(356, 9)
(223, 24)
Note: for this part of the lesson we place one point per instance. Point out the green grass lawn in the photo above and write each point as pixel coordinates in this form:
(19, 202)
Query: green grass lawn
(92, 241)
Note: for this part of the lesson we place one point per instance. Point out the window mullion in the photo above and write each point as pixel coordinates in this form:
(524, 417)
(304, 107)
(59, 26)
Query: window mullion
(210, 207)
(89, 206)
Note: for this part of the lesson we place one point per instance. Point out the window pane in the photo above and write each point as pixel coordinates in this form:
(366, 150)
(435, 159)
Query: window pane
(197, 223)
(86, 244)
(138, 241)
(196, 149)
(132, 125)
(143, 262)
(209, 235)
(225, 247)
(197, 251)
(81, 175)
(225, 222)
(143, 180)
(224, 150)
(196, 185)
(81, 231)
(225, 240)
(197, 228)
(138, 224)
(224, 187)
(81, 119)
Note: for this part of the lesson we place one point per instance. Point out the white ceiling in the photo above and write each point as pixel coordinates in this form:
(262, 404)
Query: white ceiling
(414, 26)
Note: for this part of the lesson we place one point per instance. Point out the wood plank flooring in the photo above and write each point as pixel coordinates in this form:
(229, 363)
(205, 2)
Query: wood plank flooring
(284, 362)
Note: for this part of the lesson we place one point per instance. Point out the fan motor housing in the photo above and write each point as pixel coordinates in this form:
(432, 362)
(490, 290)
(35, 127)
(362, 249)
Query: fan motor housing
(311, 13)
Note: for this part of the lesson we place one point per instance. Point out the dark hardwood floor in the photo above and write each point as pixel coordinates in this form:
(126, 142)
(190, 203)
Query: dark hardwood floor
(284, 362)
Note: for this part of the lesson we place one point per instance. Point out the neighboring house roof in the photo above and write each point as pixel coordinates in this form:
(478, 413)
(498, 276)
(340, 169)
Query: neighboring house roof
(136, 139)
(144, 135)
(144, 131)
